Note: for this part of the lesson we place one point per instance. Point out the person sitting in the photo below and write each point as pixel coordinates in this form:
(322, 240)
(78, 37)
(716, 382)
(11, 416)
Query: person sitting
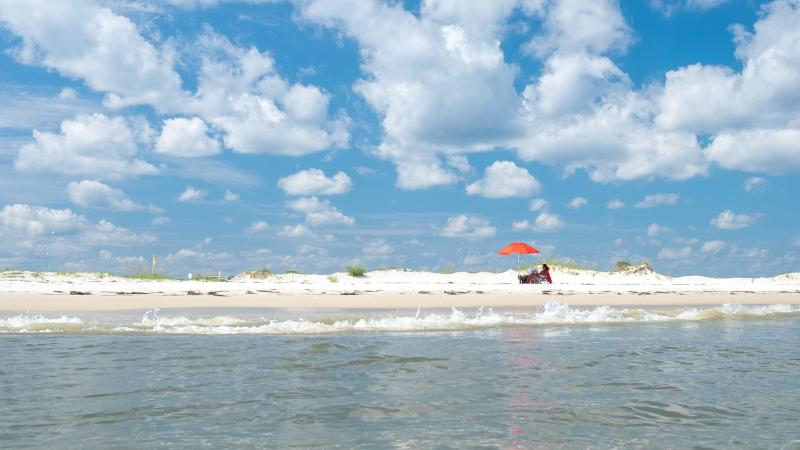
(545, 274)
(536, 277)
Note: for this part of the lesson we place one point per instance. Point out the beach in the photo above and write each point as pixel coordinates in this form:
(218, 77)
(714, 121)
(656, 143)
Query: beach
(388, 289)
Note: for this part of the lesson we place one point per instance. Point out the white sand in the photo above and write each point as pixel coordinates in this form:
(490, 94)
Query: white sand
(22, 291)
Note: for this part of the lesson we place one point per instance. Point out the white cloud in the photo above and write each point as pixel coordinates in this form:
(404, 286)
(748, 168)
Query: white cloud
(654, 230)
(187, 138)
(466, 226)
(95, 146)
(521, 225)
(94, 194)
(81, 39)
(27, 229)
(575, 26)
(241, 94)
(616, 204)
(713, 247)
(320, 213)
(548, 222)
(538, 204)
(257, 227)
(728, 220)
(770, 151)
(676, 253)
(298, 230)
(161, 220)
(654, 200)
(191, 194)
(377, 249)
(755, 184)
(505, 179)
(578, 202)
(670, 7)
(230, 196)
(314, 182)
(752, 113)
(364, 171)
(446, 89)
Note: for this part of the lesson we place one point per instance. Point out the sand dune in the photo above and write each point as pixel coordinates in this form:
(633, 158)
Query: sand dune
(387, 289)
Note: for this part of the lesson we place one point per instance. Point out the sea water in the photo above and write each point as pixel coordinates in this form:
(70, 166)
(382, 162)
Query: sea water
(549, 377)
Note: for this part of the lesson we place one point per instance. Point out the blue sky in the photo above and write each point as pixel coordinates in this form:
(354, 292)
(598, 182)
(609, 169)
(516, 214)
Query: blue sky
(311, 134)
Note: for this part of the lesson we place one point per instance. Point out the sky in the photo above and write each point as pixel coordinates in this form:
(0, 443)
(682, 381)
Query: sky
(224, 135)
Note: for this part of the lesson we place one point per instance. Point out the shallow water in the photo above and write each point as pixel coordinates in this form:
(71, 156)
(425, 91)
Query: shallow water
(714, 378)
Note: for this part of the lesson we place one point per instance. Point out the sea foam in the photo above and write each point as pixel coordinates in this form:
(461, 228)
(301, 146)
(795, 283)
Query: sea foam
(552, 313)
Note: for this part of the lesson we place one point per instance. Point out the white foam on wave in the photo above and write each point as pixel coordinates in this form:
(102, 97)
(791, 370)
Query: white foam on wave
(552, 313)
(24, 323)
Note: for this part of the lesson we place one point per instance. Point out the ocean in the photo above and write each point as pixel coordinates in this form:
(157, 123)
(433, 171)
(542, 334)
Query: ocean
(546, 377)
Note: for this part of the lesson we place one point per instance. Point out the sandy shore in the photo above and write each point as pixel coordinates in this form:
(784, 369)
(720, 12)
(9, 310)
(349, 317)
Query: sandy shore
(36, 302)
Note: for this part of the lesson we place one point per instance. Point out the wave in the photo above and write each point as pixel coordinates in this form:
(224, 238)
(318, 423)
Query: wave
(552, 313)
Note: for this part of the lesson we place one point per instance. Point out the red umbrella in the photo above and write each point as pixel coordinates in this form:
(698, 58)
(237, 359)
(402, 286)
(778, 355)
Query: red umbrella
(518, 248)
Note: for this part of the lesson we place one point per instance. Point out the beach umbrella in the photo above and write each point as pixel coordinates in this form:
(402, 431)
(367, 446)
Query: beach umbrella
(518, 248)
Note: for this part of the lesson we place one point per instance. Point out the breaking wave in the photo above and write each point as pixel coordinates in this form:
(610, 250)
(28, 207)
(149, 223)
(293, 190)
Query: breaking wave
(552, 313)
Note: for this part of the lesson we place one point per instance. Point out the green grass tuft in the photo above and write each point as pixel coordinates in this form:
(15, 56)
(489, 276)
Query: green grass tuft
(259, 274)
(356, 270)
(622, 266)
(552, 263)
(291, 271)
(332, 278)
(147, 276)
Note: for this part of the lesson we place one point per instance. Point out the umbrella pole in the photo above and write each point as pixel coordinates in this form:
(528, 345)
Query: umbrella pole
(518, 262)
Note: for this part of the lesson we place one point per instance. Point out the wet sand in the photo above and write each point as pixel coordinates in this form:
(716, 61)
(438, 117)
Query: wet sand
(42, 302)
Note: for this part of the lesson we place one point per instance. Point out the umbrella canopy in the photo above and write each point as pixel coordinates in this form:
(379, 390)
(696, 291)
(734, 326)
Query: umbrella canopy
(517, 247)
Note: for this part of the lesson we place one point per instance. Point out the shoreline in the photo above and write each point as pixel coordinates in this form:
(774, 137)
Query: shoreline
(48, 302)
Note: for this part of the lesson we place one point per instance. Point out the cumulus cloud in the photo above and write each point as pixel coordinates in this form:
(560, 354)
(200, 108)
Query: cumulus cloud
(770, 151)
(752, 113)
(97, 146)
(670, 7)
(446, 89)
(240, 92)
(161, 220)
(676, 253)
(230, 196)
(467, 226)
(728, 220)
(547, 222)
(314, 182)
(319, 213)
(81, 39)
(538, 204)
(654, 230)
(94, 194)
(713, 247)
(654, 200)
(505, 179)
(257, 227)
(191, 194)
(40, 230)
(378, 249)
(755, 184)
(616, 204)
(186, 137)
(521, 225)
(298, 230)
(577, 202)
